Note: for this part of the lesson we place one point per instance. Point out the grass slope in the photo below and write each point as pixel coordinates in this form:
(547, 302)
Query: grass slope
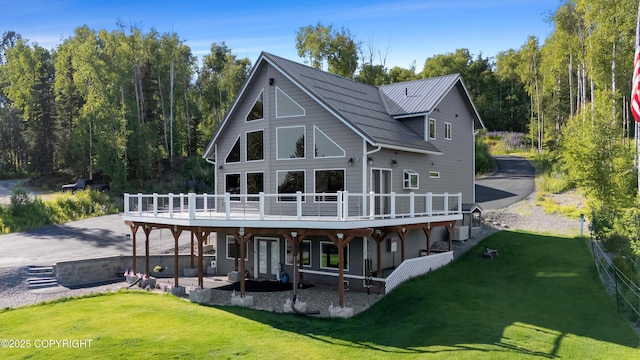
(540, 298)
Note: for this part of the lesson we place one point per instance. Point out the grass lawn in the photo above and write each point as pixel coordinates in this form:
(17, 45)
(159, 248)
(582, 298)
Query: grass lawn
(540, 298)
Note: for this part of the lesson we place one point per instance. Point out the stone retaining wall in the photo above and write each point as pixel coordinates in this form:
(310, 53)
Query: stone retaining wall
(91, 271)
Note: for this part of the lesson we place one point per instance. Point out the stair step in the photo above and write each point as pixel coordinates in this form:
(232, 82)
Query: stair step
(42, 280)
(43, 285)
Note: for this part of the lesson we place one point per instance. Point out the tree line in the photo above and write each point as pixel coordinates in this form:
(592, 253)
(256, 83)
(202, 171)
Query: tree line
(126, 103)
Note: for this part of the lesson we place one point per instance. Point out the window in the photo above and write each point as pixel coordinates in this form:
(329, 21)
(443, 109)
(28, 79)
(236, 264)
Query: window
(434, 174)
(286, 106)
(255, 147)
(329, 256)
(234, 153)
(304, 252)
(255, 185)
(329, 181)
(324, 146)
(290, 142)
(432, 128)
(447, 131)
(232, 185)
(289, 182)
(232, 249)
(256, 112)
(410, 179)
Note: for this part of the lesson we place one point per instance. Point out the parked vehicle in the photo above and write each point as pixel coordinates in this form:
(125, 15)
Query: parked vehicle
(84, 184)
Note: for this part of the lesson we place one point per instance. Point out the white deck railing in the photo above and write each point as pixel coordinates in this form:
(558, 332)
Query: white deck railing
(339, 206)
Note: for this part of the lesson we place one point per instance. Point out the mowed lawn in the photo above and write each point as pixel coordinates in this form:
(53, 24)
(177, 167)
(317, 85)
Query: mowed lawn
(541, 298)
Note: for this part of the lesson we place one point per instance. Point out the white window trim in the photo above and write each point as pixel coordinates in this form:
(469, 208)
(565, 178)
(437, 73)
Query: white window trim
(286, 260)
(240, 182)
(432, 134)
(346, 268)
(315, 189)
(304, 111)
(447, 131)
(304, 131)
(277, 182)
(252, 104)
(233, 239)
(246, 183)
(246, 152)
(344, 153)
(238, 140)
(434, 174)
(406, 183)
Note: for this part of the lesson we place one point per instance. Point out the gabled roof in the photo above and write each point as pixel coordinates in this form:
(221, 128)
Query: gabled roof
(422, 96)
(366, 109)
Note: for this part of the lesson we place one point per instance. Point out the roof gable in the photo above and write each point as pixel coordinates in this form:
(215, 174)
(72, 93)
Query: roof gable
(422, 96)
(368, 110)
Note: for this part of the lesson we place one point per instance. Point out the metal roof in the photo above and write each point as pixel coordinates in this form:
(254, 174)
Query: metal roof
(370, 111)
(359, 105)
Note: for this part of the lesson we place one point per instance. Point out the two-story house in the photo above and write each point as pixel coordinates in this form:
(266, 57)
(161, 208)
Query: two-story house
(326, 180)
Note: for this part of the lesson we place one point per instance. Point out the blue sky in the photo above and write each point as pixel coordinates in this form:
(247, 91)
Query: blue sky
(403, 31)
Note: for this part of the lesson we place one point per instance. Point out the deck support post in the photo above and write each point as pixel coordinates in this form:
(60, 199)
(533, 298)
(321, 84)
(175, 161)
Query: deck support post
(134, 230)
(202, 237)
(147, 230)
(176, 232)
(241, 238)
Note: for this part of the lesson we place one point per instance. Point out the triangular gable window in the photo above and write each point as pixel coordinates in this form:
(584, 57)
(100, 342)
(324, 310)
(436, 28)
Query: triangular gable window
(286, 106)
(256, 112)
(324, 146)
(234, 154)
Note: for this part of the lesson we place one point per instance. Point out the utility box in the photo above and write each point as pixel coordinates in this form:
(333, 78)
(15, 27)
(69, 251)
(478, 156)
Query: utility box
(461, 233)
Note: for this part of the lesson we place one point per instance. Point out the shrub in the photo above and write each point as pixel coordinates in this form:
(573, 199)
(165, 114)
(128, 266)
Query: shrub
(484, 162)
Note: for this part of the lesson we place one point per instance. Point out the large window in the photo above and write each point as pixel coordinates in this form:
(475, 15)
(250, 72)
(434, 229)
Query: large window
(232, 185)
(256, 112)
(234, 153)
(289, 182)
(233, 250)
(286, 106)
(255, 185)
(255, 145)
(304, 252)
(330, 182)
(432, 128)
(290, 142)
(329, 256)
(324, 146)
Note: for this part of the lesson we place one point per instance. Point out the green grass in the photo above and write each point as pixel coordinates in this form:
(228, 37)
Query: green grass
(539, 299)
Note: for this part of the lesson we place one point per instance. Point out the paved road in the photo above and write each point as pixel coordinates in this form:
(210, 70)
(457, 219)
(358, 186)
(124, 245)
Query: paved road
(512, 182)
(95, 237)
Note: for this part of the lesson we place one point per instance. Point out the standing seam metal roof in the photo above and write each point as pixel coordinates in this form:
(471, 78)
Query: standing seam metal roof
(359, 104)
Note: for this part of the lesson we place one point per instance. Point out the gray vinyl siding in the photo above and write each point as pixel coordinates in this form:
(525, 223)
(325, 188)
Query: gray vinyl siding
(456, 165)
(315, 114)
(415, 123)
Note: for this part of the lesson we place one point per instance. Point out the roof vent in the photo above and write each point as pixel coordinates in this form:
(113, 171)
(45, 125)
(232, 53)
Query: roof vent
(406, 92)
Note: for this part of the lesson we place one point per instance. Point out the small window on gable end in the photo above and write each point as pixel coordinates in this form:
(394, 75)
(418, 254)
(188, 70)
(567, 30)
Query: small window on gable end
(256, 112)
(234, 153)
(411, 180)
(432, 128)
(447, 131)
(286, 106)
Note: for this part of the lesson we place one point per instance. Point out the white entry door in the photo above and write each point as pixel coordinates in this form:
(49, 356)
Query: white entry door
(268, 257)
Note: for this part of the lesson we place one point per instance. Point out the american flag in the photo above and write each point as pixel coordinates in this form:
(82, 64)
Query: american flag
(635, 85)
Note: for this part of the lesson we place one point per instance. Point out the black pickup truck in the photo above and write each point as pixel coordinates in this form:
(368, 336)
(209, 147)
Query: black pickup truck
(84, 184)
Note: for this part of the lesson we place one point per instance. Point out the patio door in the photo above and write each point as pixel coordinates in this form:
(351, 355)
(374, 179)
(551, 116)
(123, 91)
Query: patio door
(381, 185)
(267, 257)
